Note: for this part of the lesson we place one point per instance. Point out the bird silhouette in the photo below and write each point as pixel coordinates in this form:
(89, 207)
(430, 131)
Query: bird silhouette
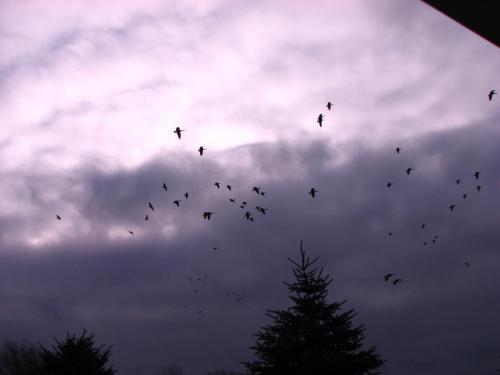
(423, 226)
(132, 233)
(458, 181)
(244, 203)
(389, 184)
(452, 207)
(256, 189)
(186, 194)
(313, 192)
(491, 93)
(217, 184)
(476, 174)
(390, 234)
(398, 150)
(58, 217)
(178, 132)
(151, 206)
(466, 264)
(248, 215)
(262, 210)
(177, 202)
(408, 170)
(207, 215)
(478, 187)
(329, 105)
(425, 243)
(464, 196)
(165, 187)
(320, 120)
(262, 193)
(232, 200)
(396, 281)
(201, 149)
(146, 218)
(229, 187)
(388, 276)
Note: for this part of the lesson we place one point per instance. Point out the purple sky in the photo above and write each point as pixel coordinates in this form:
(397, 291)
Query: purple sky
(90, 93)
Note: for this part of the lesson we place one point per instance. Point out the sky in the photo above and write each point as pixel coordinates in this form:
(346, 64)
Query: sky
(90, 94)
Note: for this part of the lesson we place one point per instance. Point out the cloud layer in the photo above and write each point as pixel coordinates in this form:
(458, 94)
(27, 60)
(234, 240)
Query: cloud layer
(90, 96)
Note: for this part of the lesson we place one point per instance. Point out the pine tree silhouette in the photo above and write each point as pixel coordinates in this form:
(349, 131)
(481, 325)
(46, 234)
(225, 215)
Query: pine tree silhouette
(76, 356)
(313, 336)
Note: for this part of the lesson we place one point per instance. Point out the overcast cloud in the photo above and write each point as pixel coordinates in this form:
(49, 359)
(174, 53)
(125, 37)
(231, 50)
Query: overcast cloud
(90, 93)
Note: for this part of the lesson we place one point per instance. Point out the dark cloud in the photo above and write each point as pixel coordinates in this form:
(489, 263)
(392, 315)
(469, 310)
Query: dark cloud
(131, 291)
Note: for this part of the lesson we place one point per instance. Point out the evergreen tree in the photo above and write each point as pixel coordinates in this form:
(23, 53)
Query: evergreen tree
(19, 359)
(312, 336)
(76, 356)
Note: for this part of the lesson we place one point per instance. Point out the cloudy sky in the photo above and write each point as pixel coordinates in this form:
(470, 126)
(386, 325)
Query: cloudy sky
(90, 93)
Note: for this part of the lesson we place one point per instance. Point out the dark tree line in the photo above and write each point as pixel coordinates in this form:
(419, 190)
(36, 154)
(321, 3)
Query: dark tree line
(74, 355)
(311, 337)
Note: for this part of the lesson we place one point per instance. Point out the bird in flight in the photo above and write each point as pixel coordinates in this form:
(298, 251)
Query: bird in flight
(398, 150)
(396, 281)
(201, 149)
(491, 93)
(464, 196)
(388, 276)
(177, 202)
(58, 217)
(262, 210)
(146, 218)
(165, 187)
(178, 132)
(186, 194)
(478, 187)
(262, 193)
(423, 226)
(476, 174)
(248, 215)
(458, 181)
(232, 200)
(217, 184)
(207, 215)
(466, 264)
(313, 192)
(452, 207)
(389, 184)
(408, 170)
(229, 187)
(425, 243)
(329, 105)
(131, 233)
(320, 120)
(151, 206)
(256, 189)
(390, 234)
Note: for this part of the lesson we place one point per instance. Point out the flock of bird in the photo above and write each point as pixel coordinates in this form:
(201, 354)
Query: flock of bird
(207, 215)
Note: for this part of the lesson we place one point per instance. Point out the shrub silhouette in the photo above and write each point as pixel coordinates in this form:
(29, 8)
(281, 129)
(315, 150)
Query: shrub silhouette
(76, 356)
(19, 359)
(312, 336)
